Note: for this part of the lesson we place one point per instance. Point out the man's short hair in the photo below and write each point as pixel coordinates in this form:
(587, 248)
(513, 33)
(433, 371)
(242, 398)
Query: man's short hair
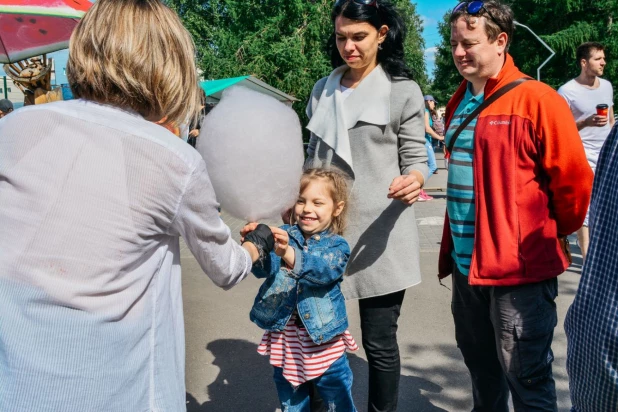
(584, 51)
(498, 18)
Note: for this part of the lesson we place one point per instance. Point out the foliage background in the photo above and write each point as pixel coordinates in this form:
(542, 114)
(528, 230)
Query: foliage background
(281, 42)
(562, 24)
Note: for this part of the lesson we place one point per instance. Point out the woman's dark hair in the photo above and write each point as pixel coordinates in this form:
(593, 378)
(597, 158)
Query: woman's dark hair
(391, 55)
(433, 111)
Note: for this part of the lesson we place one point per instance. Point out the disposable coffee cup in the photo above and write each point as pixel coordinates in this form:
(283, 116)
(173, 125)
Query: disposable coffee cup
(602, 109)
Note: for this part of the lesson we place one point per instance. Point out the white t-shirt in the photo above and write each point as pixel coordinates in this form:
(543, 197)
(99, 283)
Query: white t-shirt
(583, 102)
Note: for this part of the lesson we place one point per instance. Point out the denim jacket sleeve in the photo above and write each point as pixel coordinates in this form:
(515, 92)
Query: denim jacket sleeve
(325, 268)
(269, 266)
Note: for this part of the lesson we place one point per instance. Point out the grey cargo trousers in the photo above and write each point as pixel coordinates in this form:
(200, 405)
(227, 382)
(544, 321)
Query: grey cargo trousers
(505, 335)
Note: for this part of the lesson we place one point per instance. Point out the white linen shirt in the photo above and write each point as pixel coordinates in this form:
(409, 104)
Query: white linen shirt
(93, 200)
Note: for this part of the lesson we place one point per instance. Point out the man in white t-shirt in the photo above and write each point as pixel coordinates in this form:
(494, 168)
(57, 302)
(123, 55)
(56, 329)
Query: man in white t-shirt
(586, 95)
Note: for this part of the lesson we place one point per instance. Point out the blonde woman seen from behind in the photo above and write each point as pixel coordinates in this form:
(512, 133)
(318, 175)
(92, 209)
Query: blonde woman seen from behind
(95, 196)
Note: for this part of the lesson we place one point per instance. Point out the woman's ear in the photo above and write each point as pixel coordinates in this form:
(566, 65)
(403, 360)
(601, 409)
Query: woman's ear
(382, 33)
(338, 208)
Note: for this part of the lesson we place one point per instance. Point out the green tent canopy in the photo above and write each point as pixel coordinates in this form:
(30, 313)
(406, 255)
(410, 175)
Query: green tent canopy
(214, 88)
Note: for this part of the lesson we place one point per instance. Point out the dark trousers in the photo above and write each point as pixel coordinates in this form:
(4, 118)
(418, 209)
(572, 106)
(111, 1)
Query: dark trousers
(505, 335)
(379, 317)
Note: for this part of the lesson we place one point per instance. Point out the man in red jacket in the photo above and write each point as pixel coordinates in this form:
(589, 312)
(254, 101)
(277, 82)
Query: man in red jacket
(518, 184)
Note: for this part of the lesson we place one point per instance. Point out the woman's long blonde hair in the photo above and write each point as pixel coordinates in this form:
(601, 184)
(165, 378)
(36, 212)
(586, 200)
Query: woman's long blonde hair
(135, 55)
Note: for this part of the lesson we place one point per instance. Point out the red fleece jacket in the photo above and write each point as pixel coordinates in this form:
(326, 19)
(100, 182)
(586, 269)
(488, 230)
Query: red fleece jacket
(532, 184)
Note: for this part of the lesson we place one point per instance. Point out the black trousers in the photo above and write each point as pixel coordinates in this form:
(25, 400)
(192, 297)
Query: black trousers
(379, 318)
(505, 335)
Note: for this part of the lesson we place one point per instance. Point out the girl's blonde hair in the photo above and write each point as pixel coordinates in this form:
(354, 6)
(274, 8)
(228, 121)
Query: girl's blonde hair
(135, 55)
(338, 190)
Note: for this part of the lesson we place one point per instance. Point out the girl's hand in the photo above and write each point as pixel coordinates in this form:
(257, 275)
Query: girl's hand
(282, 246)
(406, 188)
(249, 227)
(282, 240)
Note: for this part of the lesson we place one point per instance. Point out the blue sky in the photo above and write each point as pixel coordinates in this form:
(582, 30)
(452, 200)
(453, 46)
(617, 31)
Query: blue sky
(431, 11)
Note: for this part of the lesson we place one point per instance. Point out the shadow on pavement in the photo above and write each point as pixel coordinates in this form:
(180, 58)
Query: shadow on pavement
(245, 383)
(411, 389)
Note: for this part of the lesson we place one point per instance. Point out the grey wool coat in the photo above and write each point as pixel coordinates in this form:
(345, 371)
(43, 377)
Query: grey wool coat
(385, 125)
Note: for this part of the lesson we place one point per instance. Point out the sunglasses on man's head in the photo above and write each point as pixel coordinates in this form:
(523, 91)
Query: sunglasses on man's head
(474, 8)
(373, 3)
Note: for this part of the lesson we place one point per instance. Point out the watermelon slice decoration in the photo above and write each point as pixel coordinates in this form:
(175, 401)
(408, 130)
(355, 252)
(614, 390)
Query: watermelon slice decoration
(34, 27)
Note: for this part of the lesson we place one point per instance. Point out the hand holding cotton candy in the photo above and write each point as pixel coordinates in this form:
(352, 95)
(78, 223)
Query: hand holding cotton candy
(253, 148)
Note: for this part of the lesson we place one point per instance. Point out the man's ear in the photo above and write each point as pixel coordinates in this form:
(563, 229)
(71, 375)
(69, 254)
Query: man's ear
(502, 41)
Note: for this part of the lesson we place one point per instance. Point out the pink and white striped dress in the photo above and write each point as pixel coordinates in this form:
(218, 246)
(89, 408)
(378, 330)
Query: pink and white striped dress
(300, 357)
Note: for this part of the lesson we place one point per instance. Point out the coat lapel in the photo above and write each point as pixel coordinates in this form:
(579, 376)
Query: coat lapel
(369, 103)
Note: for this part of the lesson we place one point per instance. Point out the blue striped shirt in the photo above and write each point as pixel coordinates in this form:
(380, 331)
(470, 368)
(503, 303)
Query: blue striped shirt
(460, 186)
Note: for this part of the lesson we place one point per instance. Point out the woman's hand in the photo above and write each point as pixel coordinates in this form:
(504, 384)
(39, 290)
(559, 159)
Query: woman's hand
(406, 188)
(259, 241)
(249, 227)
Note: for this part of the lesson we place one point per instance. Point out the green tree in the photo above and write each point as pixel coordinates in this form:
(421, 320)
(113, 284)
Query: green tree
(446, 77)
(414, 46)
(562, 24)
(279, 42)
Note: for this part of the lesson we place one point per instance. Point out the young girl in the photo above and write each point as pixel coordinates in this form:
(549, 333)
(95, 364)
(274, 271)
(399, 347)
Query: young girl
(300, 304)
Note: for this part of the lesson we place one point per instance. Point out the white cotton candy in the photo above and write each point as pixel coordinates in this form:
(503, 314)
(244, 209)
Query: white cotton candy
(253, 148)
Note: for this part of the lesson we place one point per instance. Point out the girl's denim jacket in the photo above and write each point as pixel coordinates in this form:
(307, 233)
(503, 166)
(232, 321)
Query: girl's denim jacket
(311, 287)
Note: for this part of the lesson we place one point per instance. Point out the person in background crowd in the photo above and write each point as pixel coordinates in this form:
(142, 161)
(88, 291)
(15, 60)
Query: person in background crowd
(367, 119)
(506, 221)
(590, 324)
(591, 100)
(95, 196)
(196, 125)
(430, 133)
(6, 107)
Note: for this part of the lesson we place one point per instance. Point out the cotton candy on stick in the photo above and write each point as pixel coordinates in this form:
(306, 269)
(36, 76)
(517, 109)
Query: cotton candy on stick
(253, 148)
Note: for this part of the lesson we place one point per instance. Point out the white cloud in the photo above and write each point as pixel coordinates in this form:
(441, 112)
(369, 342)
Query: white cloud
(428, 21)
(430, 60)
(430, 55)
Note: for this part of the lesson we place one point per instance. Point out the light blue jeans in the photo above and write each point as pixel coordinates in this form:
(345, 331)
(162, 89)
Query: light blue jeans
(334, 386)
(431, 159)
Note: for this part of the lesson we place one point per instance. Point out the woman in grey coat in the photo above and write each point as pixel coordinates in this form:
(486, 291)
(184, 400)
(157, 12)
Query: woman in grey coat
(367, 119)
